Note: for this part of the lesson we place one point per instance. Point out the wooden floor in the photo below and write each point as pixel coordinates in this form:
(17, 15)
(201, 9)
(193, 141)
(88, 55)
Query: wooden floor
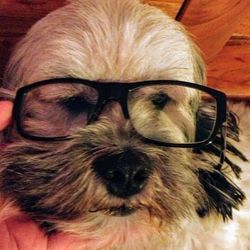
(228, 65)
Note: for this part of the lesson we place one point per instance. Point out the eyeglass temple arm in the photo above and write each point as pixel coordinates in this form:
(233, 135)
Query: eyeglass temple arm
(223, 144)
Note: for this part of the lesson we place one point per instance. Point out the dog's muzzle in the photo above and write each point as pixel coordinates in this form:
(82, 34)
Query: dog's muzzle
(124, 174)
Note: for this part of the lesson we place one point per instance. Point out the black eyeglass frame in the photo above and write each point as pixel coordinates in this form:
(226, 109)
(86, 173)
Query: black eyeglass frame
(119, 91)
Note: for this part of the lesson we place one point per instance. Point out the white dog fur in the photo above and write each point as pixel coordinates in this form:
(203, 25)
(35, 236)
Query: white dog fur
(148, 45)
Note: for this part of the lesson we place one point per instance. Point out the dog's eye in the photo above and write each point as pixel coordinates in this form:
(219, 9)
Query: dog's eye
(77, 105)
(160, 100)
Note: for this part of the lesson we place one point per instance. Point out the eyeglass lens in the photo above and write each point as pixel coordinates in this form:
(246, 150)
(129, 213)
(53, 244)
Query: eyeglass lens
(164, 113)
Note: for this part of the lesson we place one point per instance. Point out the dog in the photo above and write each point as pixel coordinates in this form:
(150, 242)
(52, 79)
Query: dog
(105, 182)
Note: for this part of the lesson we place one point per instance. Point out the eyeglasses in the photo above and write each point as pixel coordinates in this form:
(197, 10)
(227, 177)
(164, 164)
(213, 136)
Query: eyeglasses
(166, 112)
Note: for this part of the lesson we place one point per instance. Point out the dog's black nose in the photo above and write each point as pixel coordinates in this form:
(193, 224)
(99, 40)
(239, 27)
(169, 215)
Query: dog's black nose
(124, 174)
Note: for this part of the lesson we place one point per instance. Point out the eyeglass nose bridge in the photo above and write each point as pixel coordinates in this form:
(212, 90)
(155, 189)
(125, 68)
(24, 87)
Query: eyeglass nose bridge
(108, 94)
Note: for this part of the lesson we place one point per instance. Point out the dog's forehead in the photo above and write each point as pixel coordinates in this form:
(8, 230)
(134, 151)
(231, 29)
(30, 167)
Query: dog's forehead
(104, 40)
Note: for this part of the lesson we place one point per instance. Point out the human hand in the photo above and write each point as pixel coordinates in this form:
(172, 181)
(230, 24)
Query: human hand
(5, 114)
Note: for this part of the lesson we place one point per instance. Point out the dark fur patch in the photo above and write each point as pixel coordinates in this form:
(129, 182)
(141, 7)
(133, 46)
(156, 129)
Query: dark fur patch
(223, 193)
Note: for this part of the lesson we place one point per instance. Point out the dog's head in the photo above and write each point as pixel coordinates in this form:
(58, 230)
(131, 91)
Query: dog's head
(106, 177)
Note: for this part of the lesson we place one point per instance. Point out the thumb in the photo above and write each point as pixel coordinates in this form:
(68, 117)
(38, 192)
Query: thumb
(5, 114)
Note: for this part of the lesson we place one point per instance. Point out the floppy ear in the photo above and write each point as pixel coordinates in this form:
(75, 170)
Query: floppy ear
(223, 194)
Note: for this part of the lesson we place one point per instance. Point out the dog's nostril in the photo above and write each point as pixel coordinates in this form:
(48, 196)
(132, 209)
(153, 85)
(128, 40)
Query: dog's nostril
(109, 175)
(114, 176)
(140, 176)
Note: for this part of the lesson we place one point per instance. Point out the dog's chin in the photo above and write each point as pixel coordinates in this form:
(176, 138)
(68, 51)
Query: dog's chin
(121, 227)
(121, 211)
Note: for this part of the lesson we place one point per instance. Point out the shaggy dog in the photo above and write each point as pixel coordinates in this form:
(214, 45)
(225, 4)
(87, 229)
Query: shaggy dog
(106, 183)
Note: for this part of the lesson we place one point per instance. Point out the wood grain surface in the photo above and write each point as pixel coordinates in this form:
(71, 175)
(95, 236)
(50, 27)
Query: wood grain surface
(230, 70)
(212, 22)
(171, 7)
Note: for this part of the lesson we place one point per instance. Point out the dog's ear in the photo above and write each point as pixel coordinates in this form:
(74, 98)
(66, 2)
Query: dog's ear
(222, 193)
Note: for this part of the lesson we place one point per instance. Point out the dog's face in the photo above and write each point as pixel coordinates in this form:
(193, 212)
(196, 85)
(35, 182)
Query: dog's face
(105, 180)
